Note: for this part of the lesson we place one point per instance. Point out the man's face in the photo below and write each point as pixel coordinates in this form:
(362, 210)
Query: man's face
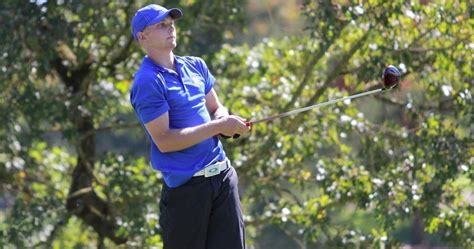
(161, 35)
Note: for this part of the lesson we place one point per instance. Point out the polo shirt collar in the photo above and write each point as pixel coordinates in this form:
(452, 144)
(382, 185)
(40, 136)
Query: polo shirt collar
(177, 62)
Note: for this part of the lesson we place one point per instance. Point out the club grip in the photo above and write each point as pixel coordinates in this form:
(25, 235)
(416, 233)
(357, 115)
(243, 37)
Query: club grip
(248, 124)
(227, 137)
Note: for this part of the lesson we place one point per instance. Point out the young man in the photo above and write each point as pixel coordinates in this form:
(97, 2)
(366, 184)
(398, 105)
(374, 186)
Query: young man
(174, 100)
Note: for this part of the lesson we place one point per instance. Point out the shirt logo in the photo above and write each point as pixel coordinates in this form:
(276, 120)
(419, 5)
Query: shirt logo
(196, 79)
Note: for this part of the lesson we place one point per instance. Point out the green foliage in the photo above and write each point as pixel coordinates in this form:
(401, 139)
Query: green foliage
(303, 170)
(346, 175)
(66, 71)
(127, 182)
(39, 205)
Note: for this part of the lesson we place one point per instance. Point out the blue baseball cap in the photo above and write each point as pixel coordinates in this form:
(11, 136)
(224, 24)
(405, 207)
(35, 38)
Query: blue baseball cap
(152, 14)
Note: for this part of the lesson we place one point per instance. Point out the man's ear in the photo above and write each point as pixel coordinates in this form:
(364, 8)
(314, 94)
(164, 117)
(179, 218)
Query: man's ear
(141, 36)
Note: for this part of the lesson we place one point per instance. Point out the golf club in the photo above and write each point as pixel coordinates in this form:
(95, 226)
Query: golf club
(391, 78)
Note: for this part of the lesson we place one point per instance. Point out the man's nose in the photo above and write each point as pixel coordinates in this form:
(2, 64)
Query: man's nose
(171, 28)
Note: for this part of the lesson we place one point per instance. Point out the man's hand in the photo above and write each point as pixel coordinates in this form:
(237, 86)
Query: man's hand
(232, 126)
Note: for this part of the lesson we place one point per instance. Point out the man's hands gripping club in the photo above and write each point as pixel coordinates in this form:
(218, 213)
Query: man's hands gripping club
(233, 126)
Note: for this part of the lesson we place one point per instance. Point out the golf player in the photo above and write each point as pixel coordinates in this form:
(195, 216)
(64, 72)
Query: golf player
(175, 102)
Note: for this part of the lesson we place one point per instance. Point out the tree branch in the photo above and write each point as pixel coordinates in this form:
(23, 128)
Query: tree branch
(295, 198)
(332, 75)
(101, 129)
(121, 54)
(414, 48)
(295, 238)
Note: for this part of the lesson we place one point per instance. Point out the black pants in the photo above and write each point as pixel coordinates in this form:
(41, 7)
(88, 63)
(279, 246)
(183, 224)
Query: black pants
(204, 213)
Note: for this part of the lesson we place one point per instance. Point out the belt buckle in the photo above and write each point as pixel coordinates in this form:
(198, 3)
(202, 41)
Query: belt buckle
(212, 170)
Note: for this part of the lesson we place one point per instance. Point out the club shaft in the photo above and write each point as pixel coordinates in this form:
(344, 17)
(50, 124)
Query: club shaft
(285, 114)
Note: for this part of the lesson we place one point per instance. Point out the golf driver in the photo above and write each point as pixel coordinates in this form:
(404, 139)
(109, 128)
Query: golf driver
(391, 78)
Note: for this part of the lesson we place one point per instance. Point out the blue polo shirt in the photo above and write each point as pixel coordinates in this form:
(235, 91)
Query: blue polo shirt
(157, 90)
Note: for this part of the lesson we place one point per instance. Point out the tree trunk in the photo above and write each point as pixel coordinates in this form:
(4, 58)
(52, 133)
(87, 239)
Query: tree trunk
(418, 229)
(82, 200)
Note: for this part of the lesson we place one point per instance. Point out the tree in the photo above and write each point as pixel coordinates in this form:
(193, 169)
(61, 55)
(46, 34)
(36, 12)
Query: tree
(401, 156)
(66, 69)
(347, 175)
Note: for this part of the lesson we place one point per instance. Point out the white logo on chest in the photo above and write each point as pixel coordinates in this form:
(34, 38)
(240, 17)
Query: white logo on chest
(196, 79)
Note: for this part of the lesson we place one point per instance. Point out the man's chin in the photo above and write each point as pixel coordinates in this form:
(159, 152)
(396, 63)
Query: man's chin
(172, 43)
(168, 47)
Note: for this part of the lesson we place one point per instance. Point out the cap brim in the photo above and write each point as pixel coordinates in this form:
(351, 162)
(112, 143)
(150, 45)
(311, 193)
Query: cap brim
(173, 13)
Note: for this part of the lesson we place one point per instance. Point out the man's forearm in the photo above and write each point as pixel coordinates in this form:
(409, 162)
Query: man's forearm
(180, 139)
(219, 113)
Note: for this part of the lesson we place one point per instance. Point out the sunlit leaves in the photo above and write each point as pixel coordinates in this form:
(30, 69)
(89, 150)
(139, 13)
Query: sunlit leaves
(127, 182)
(39, 206)
(69, 63)
(396, 158)
(341, 176)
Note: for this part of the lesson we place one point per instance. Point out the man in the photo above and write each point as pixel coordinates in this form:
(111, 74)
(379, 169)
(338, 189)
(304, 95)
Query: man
(174, 100)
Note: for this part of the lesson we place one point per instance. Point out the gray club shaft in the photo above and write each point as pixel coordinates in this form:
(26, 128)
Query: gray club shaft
(285, 114)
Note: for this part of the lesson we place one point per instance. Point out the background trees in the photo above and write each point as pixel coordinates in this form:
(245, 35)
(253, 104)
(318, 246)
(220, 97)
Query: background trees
(73, 164)
(399, 157)
(67, 67)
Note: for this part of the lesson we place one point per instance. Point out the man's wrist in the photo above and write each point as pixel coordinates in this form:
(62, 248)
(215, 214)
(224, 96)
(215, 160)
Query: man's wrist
(221, 112)
(219, 124)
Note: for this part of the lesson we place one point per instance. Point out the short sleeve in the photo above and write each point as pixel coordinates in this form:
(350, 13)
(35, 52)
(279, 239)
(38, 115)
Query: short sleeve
(148, 97)
(208, 77)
